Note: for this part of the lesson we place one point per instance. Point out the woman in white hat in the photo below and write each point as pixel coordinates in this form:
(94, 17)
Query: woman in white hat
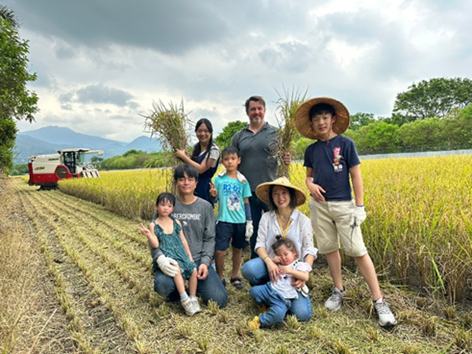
(283, 220)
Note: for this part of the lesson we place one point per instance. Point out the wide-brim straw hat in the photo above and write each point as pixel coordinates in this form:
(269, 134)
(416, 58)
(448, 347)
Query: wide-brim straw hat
(262, 190)
(302, 117)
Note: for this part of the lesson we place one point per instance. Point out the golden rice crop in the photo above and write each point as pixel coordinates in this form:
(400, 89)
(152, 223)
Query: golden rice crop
(128, 193)
(419, 219)
(287, 105)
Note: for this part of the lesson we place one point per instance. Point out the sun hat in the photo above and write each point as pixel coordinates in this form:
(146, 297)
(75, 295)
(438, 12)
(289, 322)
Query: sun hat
(302, 117)
(262, 190)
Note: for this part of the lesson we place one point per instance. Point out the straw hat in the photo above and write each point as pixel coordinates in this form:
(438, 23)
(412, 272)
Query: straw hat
(302, 117)
(262, 190)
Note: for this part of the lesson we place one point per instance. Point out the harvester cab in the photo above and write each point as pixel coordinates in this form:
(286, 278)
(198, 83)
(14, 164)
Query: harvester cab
(47, 170)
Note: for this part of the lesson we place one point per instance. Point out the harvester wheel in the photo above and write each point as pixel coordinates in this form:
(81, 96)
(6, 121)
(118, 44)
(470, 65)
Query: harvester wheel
(48, 187)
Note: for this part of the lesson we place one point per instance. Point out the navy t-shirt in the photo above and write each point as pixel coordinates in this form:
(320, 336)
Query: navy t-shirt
(331, 161)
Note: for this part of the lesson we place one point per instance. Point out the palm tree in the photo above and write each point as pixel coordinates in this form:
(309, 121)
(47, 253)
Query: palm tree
(8, 15)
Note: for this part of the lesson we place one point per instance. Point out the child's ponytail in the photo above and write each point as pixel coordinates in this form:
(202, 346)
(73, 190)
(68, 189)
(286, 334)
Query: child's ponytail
(281, 241)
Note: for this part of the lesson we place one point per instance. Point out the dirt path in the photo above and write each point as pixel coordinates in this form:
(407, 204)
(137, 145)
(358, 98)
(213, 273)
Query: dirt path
(39, 324)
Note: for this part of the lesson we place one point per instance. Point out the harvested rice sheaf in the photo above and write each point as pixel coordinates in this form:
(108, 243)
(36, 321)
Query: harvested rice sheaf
(171, 126)
(287, 105)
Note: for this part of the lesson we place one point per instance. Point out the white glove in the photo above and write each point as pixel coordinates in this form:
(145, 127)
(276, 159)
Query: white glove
(358, 216)
(249, 230)
(166, 265)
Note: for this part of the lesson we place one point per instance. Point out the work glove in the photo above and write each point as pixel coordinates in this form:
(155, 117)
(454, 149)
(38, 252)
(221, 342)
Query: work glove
(249, 230)
(358, 216)
(166, 265)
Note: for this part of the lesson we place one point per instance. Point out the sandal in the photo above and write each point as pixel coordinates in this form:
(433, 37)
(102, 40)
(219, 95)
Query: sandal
(236, 282)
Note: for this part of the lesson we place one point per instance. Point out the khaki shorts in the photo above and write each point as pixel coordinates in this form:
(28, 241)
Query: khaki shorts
(330, 221)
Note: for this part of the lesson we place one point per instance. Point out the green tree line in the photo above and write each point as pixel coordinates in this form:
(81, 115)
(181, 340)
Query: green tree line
(452, 132)
(16, 101)
(134, 159)
(434, 114)
(372, 136)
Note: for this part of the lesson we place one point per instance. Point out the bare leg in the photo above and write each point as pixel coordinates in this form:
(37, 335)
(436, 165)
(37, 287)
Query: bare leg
(192, 283)
(220, 263)
(367, 269)
(334, 264)
(179, 282)
(237, 258)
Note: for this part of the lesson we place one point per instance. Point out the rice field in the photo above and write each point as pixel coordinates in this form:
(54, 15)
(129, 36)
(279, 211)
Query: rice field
(130, 193)
(88, 280)
(419, 225)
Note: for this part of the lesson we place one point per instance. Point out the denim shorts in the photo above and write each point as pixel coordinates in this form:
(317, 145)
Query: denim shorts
(226, 231)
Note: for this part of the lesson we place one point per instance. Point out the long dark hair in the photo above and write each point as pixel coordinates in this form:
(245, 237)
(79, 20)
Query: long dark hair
(291, 193)
(197, 149)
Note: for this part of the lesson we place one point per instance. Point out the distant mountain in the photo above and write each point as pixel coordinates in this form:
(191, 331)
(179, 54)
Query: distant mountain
(143, 143)
(49, 140)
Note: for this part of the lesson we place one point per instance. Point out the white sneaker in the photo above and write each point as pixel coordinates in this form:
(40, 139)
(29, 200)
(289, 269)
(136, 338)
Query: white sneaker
(304, 290)
(335, 300)
(196, 304)
(188, 306)
(386, 318)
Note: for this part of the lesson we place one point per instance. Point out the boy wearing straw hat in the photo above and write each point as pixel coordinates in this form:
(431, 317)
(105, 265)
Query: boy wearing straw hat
(331, 163)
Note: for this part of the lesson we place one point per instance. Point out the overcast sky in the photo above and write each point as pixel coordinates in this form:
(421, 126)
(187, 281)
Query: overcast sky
(102, 63)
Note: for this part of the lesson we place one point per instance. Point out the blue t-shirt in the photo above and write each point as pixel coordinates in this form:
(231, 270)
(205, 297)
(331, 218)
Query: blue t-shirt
(331, 161)
(231, 194)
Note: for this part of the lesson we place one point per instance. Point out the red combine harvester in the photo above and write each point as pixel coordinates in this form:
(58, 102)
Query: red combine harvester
(47, 170)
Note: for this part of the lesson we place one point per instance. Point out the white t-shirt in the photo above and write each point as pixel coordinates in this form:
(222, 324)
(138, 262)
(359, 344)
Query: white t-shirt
(284, 285)
(300, 232)
(214, 154)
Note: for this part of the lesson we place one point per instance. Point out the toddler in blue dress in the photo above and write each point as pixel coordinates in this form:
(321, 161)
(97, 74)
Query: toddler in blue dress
(166, 233)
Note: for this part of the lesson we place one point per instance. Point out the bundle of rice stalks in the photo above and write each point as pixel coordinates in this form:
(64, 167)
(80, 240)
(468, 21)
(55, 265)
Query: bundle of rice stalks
(287, 105)
(171, 126)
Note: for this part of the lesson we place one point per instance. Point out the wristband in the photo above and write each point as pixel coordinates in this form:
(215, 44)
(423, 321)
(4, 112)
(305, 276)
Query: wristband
(247, 207)
(360, 206)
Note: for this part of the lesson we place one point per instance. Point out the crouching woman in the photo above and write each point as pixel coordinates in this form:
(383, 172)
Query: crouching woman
(286, 220)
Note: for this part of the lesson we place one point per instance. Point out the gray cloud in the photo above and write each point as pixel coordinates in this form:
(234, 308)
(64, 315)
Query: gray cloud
(102, 94)
(66, 97)
(168, 26)
(122, 118)
(64, 51)
(108, 60)
(290, 56)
